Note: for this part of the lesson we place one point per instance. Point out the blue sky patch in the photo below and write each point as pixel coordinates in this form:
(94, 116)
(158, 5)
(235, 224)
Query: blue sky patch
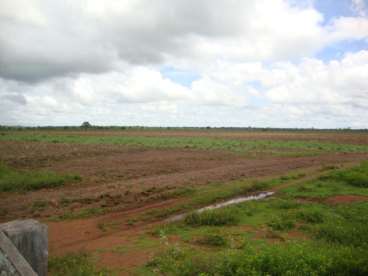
(182, 77)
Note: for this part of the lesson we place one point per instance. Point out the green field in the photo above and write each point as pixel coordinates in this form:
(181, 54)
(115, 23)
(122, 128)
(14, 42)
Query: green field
(287, 147)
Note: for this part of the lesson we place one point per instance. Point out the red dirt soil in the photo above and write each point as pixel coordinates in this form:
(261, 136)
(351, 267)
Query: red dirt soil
(341, 199)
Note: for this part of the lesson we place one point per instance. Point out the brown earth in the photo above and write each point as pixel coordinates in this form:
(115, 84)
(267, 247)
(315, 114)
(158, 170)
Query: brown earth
(341, 199)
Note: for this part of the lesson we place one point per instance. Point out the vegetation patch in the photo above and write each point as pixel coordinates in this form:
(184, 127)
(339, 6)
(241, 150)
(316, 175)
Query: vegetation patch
(20, 181)
(212, 218)
(357, 176)
(286, 147)
(77, 264)
(333, 237)
(281, 223)
(311, 216)
(212, 240)
(288, 259)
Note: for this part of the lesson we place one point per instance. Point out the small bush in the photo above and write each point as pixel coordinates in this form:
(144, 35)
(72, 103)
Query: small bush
(213, 217)
(281, 223)
(212, 240)
(311, 216)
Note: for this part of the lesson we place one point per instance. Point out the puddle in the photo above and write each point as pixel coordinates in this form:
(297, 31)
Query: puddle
(232, 201)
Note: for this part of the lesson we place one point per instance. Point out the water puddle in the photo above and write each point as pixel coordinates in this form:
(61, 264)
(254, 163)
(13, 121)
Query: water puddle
(232, 201)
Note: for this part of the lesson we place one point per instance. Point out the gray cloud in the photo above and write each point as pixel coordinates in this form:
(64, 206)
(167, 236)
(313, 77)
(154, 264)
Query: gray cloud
(66, 61)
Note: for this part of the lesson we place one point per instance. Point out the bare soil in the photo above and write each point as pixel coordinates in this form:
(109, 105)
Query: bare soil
(343, 199)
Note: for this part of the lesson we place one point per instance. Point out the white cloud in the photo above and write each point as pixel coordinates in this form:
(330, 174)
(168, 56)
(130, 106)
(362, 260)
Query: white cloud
(360, 7)
(64, 62)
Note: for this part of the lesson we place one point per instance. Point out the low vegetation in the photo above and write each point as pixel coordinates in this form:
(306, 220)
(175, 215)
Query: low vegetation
(296, 232)
(212, 217)
(20, 181)
(78, 264)
(274, 147)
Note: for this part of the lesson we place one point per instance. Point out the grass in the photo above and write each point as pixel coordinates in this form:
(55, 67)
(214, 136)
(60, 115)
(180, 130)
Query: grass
(77, 264)
(202, 143)
(215, 192)
(357, 176)
(212, 240)
(287, 259)
(80, 214)
(212, 217)
(332, 239)
(20, 181)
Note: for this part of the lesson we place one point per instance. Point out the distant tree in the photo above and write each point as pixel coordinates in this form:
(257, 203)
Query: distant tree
(86, 125)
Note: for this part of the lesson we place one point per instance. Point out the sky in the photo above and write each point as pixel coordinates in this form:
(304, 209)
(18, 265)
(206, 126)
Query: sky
(259, 63)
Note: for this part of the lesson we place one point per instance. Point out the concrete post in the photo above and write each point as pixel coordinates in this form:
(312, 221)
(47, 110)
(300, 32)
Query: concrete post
(30, 238)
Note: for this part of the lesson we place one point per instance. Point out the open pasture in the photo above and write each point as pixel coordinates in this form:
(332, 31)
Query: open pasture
(106, 194)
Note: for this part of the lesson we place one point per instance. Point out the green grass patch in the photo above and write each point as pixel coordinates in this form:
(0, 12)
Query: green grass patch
(80, 214)
(20, 181)
(288, 259)
(357, 176)
(212, 240)
(282, 223)
(203, 143)
(311, 216)
(333, 238)
(79, 264)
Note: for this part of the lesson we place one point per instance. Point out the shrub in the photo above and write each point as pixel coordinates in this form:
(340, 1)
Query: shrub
(311, 216)
(281, 223)
(212, 240)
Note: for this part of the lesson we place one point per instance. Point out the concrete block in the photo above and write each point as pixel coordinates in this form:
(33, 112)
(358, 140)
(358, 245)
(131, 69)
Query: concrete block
(12, 263)
(30, 238)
